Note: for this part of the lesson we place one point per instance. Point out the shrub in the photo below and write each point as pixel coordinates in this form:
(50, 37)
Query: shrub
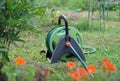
(15, 17)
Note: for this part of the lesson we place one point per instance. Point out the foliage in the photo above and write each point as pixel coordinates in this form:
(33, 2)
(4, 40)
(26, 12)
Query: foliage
(77, 4)
(82, 25)
(15, 17)
(71, 4)
(112, 7)
(79, 73)
(69, 71)
(18, 72)
(84, 4)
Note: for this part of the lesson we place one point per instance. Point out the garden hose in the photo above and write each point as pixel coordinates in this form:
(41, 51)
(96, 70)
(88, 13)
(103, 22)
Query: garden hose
(91, 50)
(59, 30)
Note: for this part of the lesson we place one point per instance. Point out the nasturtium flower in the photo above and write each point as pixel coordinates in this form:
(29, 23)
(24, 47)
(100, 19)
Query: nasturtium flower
(106, 65)
(83, 72)
(106, 61)
(70, 64)
(111, 67)
(19, 60)
(76, 76)
(92, 69)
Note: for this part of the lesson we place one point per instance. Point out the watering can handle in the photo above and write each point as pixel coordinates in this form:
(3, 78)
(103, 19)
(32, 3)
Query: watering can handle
(66, 23)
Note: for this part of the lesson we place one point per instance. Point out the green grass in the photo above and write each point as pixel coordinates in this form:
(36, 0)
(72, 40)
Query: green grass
(106, 41)
(112, 15)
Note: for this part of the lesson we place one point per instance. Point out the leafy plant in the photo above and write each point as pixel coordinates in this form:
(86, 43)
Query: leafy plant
(18, 71)
(79, 73)
(82, 24)
(16, 17)
(113, 7)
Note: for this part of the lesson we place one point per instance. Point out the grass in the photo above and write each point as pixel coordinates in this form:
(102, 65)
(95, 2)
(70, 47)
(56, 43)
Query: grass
(105, 40)
(115, 15)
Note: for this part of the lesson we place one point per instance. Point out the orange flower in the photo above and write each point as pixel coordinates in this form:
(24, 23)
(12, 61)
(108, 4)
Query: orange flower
(82, 71)
(70, 64)
(76, 76)
(106, 61)
(47, 72)
(106, 65)
(111, 67)
(19, 60)
(91, 69)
